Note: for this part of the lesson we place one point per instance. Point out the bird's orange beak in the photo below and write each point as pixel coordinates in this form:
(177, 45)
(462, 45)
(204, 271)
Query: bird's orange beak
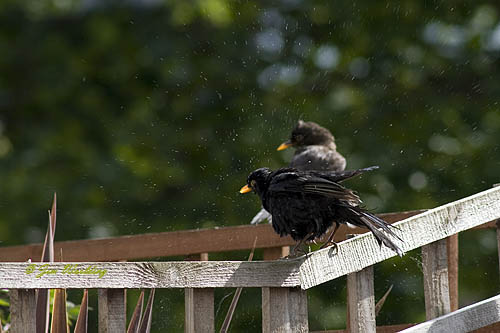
(285, 145)
(245, 189)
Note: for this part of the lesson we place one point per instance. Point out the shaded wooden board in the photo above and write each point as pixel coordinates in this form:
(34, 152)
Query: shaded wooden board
(435, 224)
(111, 312)
(175, 243)
(466, 319)
(23, 310)
(436, 288)
(380, 329)
(173, 274)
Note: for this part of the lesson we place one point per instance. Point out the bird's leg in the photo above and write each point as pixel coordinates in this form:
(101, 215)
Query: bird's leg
(297, 247)
(330, 239)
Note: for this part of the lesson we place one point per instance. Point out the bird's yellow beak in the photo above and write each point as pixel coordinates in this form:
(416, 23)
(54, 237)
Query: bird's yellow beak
(284, 145)
(245, 189)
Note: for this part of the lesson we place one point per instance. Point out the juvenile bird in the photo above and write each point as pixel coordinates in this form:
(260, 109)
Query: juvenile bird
(304, 204)
(316, 150)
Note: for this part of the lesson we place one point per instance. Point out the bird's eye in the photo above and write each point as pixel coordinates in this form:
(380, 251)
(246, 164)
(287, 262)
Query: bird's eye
(299, 137)
(253, 183)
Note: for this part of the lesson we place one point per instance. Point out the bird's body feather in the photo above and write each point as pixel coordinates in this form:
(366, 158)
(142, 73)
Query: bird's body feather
(304, 204)
(318, 157)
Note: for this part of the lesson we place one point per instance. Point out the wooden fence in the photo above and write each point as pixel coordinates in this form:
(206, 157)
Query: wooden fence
(283, 282)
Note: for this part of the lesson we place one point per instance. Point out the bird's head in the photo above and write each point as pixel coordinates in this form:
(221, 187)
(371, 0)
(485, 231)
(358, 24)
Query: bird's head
(307, 134)
(257, 181)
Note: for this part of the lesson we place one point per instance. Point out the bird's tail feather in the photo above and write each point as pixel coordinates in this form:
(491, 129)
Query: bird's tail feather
(373, 223)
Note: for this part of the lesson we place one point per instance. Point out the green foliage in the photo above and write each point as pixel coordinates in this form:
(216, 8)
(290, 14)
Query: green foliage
(147, 116)
(4, 307)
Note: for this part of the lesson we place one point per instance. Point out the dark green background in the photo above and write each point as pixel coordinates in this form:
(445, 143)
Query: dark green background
(147, 116)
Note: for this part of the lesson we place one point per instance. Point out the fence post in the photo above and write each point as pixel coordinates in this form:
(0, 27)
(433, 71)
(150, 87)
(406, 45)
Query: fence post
(436, 289)
(498, 241)
(361, 300)
(452, 249)
(23, 310)
(199, 305)
(283, 309)
(111, 312)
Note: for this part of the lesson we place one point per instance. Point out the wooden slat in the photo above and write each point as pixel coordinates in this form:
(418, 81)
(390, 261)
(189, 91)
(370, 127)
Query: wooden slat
(361, 301)
(380, 329)
(175, 243)
(271, 253)
(199, 306)
(498, 241)
(465, 319)
(326, 264)
(286, 311)
(452, 250)
(493, 328)
(111, 310)
(171, 274)
(436, 289)
(22, 310)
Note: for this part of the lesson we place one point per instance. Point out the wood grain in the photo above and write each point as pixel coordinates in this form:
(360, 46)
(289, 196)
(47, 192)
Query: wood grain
(436, 288)
(435, 224)
(361, 301)
(199, 307)
(111, 303)
(452, 250)
(285, 311)
(171, 274)
(23, 310)
(465, 319)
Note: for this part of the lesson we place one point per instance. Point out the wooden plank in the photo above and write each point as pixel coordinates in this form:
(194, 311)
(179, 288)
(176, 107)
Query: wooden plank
(452, 250)
(271, 253)
(498, 241)
(199, 306)
(22, 310)
(286, 311)
(112, 305)
(166, 244)
(436, 289)
(493, 328)
(435, 224)
(380, 329)
(465, 319)
(171, 274)
(361, 301)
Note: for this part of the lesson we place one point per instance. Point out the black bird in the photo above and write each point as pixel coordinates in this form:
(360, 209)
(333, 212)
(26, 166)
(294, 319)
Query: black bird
(316, 150)
(304, 204)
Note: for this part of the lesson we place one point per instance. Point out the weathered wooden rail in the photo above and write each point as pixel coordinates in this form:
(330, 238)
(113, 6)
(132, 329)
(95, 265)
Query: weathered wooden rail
(283, 282)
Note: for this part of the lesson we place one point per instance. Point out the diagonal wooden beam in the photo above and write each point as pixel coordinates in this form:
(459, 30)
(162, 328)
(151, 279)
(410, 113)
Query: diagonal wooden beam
(435, 224)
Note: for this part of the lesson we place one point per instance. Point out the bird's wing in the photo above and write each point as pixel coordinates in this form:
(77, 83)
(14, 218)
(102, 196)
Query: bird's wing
(318, 158)
(342, 175)
(291, 181)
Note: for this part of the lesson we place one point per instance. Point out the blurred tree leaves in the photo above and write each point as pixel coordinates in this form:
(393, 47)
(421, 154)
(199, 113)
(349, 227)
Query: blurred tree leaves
(148, 115)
